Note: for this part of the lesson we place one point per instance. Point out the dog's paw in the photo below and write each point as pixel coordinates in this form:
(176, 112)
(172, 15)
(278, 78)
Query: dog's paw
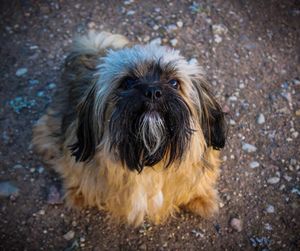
(206, 207)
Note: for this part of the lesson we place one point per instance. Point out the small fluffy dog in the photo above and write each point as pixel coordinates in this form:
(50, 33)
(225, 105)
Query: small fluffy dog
(134, 131)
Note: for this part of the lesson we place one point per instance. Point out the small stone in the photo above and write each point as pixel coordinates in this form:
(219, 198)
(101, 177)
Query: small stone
(268, 227)
(218, 39)
(270, 209)
(51, 86)
(273, 180)
(232, 122)
(219, 29)
(295, 135)
(91, 25)
(296, 191)
(236, 224)
(287, 178)
(155, 27)
(41, 212)
(17, 166)
(233, 98)
(40, 169)
(298, 112)
(21, 71)
(146, 38)
(33, 82)
(254, 164)
(249, 148)
(7, 189)
(171, 28)
(226, 109)
(130, 13)
(193, 61)
(179, 24)
(197, 233)
(260, 119)
(174, 42)
(156, 41)
(54, 196)
(69, 236)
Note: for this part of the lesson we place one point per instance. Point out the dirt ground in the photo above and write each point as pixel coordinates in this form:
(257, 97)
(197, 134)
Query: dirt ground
(250, 51)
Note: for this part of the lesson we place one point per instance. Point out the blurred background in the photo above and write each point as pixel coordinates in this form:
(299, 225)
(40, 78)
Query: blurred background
(250, 52)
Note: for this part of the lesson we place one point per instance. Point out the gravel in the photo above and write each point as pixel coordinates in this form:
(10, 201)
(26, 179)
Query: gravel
(254, 164)
(249, 148)
(260, 119)
(21, 71)
(236, 224)
(273, 180)
(7, 189)
(270, 209)
(69, 235)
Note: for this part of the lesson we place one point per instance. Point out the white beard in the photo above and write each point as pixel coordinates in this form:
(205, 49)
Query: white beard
(152, 131)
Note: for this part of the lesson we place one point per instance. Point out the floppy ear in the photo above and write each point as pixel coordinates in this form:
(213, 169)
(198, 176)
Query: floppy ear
(87, 132)
(212, 118)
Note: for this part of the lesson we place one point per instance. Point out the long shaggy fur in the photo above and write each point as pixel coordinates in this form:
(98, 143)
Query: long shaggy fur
(126, 154)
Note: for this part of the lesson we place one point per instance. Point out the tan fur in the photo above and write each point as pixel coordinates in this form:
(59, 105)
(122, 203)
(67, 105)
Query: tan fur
(129, 196)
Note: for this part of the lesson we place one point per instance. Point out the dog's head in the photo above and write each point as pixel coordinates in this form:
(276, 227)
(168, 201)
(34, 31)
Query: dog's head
(145, 108)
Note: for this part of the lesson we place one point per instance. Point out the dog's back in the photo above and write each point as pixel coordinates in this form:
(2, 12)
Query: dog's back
(78, 75)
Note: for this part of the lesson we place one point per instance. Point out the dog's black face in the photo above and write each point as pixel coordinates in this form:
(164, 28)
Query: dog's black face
(150, 120)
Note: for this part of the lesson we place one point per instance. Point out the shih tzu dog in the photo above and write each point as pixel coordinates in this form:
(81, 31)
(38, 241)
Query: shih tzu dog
(134, 131)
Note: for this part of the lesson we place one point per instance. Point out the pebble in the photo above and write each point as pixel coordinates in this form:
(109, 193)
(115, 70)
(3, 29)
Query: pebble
(270, 209)
(7, 189)
(174, 42)
(17, 166)
(268, 227)
(236, 224)
(295, 135)
(33, 82)
(298, 112)
(69, 236)
(260, 119)
(249, 148)
(54, 196)
(179, 24)
(156, 41)
(171, 28)
(193, 61)
(232, 122)
(219, 29)
(21, 71)
(51, 86)
(155, 27)
(296, 191)
(197, 233)
(287, 178)
(218, 39)
(130, 12)
(254, 164)
(273, 180)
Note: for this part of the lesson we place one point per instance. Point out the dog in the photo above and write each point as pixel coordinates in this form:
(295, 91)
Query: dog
(134, 131)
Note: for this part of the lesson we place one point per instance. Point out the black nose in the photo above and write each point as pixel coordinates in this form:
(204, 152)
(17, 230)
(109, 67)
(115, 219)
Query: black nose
(153, 92)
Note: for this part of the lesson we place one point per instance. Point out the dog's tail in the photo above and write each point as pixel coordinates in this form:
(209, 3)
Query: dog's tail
(97, 43)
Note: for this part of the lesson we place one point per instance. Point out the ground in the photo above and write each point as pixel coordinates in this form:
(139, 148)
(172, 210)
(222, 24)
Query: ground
(250, 51)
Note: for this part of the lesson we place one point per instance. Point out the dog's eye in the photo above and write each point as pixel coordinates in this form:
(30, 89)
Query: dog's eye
(129, 82)
(174, 83)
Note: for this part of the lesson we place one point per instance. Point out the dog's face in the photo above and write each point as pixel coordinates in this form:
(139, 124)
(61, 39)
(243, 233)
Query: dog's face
(145, 107)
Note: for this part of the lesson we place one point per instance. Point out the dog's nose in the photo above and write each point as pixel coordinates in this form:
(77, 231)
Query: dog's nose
(153, 92)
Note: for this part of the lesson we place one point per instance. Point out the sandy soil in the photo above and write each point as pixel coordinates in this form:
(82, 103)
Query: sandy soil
(250, 51)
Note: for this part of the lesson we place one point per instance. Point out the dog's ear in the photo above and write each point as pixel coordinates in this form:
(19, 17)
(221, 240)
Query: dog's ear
(211, 116)
(87, 128)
